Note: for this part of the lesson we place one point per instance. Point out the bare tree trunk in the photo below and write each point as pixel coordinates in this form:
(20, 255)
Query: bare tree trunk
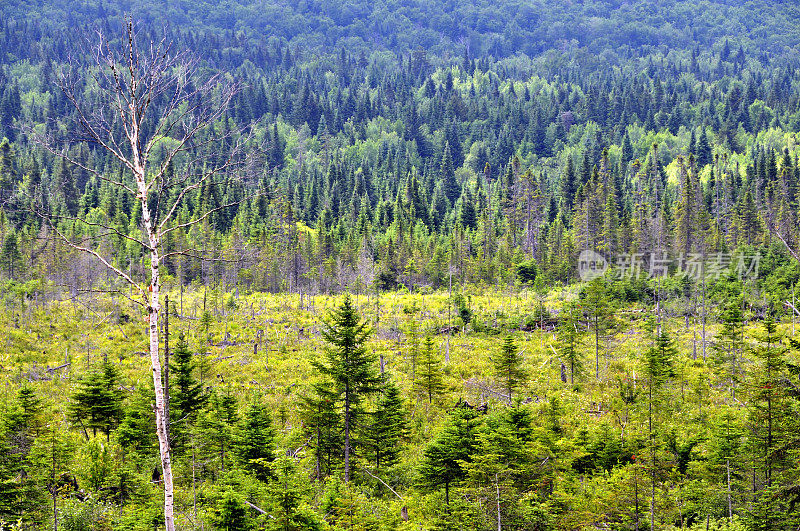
(347, 437)
(166, 366)
(160, 406)
(130, 78)
(730, 505)
(497, 486)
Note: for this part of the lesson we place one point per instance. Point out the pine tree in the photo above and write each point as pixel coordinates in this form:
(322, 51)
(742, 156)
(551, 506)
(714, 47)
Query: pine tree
(429, 381)
(508, 366)
(350, 366)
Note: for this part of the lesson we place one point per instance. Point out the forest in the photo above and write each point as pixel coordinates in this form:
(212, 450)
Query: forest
(399, 265)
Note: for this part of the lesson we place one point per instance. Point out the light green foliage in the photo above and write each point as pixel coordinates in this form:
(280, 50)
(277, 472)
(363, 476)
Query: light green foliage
(561, 459)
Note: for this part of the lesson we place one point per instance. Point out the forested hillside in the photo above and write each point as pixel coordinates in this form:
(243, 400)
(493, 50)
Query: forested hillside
(449, 165)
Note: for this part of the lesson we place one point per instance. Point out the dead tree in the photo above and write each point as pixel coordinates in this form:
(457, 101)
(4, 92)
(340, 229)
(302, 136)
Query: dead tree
(145, 105)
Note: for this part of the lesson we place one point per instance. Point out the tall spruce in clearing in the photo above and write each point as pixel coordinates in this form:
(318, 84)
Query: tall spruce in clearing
(658, 367)
(429, 374)
(508, 366)
(569, 338)
(389, 427)
(349, 365)
(187, 393)
(598, 307)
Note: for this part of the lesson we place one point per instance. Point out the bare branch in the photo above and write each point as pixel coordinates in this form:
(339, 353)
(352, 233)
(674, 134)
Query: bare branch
(105, 262)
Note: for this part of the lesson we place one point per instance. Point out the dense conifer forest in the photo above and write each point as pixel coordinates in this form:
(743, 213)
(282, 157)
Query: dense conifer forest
(399, 265)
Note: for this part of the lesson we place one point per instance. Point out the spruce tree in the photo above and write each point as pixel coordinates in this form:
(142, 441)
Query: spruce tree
(659, 362)
(597, 305)
(350, 366)
(322, 423)
(255, 444)
(286, 495)
(429, 380)
(508, 366)
(569, 338)
(443, 459)
(729, 346)
(97, 402)
(448, 176)
(187, 397)
(389, 426)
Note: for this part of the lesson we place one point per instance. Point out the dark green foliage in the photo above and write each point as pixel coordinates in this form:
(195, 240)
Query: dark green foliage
(429, 380)
(186, 393)
(448, 176)
(527, 271)
(659, 359)
(322, 424)
(508, 367)
(389, 427)
(217, 426)
(255, 444)
(403, 145)
(231, 514)
(443, 457)
(596, 303)
(287, 494)
(568, 340)
(349, 366)
(97, 402)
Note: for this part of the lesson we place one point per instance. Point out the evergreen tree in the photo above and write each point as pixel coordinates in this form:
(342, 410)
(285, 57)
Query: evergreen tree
(322, 424)
(429, 380)
(597, 305)
(350, 366)
(568, 186)
(97, 402)
(217, 426)
(444, 458)
(450, 186)
(186, 397)
(389, 427)
(231, 513)
(569, 339)
(729, 345)
(508, 366)
(659, 365)
(255, 444)
(702, 151)
(286, 495)
(65, 180)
